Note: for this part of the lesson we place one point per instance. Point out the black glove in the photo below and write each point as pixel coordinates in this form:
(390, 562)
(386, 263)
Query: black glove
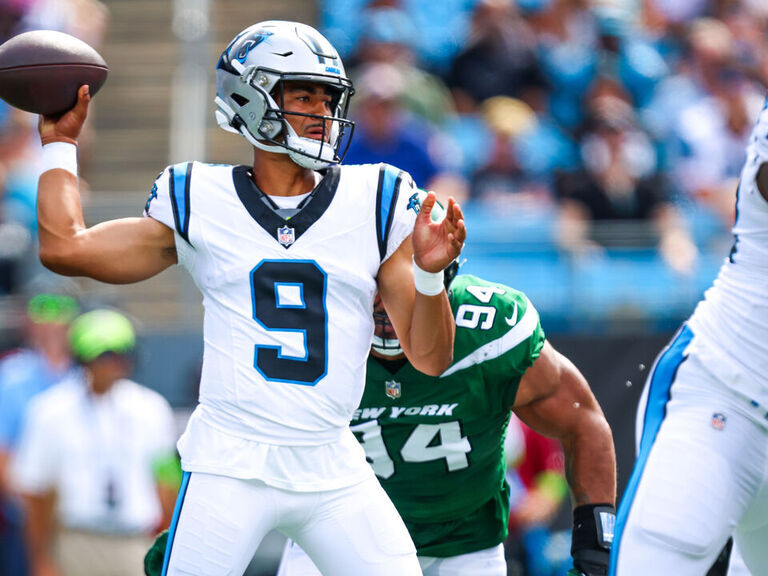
(592, 537)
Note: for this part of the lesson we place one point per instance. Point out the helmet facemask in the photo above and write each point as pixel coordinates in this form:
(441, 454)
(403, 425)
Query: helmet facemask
(332, 146)
(383, 327)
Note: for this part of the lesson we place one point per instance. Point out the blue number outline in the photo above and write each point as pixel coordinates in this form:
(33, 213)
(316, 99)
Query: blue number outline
(279, 349)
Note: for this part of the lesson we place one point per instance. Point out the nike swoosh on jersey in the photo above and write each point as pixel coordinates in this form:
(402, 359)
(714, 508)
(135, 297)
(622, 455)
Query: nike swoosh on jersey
(512, 320)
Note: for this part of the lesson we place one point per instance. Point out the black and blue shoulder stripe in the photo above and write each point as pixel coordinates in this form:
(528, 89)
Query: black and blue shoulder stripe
(387, 193)
(179, 179)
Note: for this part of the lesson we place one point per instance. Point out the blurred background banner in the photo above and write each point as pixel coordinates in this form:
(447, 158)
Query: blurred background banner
(595, 146)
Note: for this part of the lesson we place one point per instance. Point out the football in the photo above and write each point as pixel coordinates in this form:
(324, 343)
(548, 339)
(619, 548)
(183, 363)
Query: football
(41, 71)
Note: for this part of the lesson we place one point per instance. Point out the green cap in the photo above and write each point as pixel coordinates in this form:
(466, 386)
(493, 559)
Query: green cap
(94, 333)
(52, 309)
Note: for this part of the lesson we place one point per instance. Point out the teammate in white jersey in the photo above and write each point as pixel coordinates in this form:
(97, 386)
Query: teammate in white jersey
(288, 254)
(701, 473)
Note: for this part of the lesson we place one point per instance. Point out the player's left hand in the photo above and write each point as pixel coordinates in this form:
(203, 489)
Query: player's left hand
(153, 559)
(437, 244)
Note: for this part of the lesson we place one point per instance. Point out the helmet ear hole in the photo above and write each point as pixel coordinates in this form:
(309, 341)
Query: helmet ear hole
(241, 100)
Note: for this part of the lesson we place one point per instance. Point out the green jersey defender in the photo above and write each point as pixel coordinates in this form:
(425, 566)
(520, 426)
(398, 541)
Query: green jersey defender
(436, 443)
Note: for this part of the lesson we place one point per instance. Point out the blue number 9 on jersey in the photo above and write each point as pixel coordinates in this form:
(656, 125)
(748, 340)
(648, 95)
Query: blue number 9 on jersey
(288, 299)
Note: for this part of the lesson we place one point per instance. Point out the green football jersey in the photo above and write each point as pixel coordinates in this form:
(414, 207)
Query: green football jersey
(437, 443)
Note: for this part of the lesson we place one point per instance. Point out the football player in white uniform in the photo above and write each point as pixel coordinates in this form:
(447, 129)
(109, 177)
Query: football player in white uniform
(701, 473)
(288, 255)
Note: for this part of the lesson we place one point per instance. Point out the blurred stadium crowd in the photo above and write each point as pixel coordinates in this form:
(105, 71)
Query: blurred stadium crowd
(595, 145)
(598, 141)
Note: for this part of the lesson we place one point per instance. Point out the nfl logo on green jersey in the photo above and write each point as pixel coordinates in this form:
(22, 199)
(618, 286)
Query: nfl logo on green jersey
(286, 236)
(392, 389)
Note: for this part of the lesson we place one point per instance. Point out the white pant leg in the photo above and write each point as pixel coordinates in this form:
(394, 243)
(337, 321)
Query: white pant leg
(356, 531)
(488, 562)
(218, 525)
(736, 565)
(295, 562)
(751, 538)
(691, 483)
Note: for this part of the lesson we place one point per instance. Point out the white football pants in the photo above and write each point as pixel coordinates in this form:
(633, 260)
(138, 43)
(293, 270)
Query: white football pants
(489, 562)
(701, 474)
(219, 523)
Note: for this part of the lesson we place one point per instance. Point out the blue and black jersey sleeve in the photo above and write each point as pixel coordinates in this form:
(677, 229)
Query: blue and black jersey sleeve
(169, 198)
(393, 220)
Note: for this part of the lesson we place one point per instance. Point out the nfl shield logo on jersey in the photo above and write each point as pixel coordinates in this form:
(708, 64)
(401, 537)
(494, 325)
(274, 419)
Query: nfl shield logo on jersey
(392, 388)
(718, 421)
(286, 236)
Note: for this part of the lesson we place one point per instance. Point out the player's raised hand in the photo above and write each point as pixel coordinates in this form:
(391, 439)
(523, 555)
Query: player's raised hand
(67, 127)
(437, 243)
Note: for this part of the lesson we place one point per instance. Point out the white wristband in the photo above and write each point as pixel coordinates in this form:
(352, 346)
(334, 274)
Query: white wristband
(61, 155)
(428, 283)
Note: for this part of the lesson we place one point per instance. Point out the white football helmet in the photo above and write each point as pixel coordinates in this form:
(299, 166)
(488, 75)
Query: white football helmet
(252, 71)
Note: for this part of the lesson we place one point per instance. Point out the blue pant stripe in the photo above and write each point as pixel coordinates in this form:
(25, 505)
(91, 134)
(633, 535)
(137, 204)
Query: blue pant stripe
(655, 411)
(175, 520)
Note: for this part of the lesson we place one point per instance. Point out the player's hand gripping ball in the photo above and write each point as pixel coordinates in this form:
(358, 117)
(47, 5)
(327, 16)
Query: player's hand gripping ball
(41, 71)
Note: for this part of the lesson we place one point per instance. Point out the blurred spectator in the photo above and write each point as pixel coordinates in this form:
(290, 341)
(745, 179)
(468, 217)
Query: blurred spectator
(389, 37)
(567, 50)
(620, 181)
(386, 132)
(524, 151)
(402, 110)
(19, 144)
(83, 19)
(96, 462)
(498, 59)
(680, 11)
(535, 472)
(12, 13)
(578, 43)
(702, 117)
(23, 374)
(441, 26)
(18, 183)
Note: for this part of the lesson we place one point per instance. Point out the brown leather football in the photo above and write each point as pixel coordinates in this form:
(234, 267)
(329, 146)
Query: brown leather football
(41, 71)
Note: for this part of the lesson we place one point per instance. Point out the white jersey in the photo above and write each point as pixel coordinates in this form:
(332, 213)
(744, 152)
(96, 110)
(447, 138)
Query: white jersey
(288, 303)
(731, 323)
(98, 453)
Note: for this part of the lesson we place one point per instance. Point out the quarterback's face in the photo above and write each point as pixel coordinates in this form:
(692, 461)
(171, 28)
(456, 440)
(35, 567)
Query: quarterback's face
(311, 98)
